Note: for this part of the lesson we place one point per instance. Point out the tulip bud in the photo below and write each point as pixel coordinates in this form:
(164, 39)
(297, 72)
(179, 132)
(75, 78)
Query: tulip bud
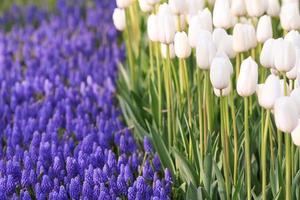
(145, 6)
(289, 16)
(223, 42)
(264, 29)
(181, 45)
(296, 135)
(225, 92)
(153, 2)
(220, 72)
(256, 8)
(119, 19)
(294, 38)
(240, 38)
(194, 6)
(238, 7)
(286, 114)
(250, 30)
(248, 78)
(178, 7)
(152, 28)
(273, 8)
(218, 35)
(292, 75)
(195, 33)
(284, 55)
(295, 95)
(222, 17)
(123, 3)
(164, 50)
(166, 24)
(267, 54)
(268, 92)
(205, 52)
(198, 23)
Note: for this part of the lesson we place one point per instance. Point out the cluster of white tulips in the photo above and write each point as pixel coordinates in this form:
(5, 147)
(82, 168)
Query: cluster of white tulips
(217, 33)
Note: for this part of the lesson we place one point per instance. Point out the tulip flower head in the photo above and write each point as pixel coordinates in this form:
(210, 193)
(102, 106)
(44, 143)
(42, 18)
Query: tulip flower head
(284, 55)
(205, 52)
(220, 72)
(222, 17)
(181, 45)
(152, 28)
(273, 8)
(119, 19)
(248, 78)
(296, 135)
(179, 7)
(264, 29)
(267, 54)
(286, 114)
(269, 92)
(238, 7)
(289, 16)
(256, 8)
(123, 3)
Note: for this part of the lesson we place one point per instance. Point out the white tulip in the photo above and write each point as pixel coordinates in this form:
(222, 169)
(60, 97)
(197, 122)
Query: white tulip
(179, 7)
(152, 28)
(290, 1)
(286, 114)
(264, 29)
(123, 3)
(238, 7)
(220, 72)
(153, 2)
(248, 78)
(267, 54)
(292, 74)
(239, 38)
(256, 8)
(289, 16)
(167, 27)
(181, 45)
(196, 34)
(251, 33)
(218, 35)
(205, 52)
(205, 20)
(225, 92)
(164, 50)
(285, 55)
(225, 46)
(222, 17)
(194, 6)
(296, 135)
(294, 38)
(273, 8)
(268, 92)
(295, 95)
(145, 6)
(119, 19)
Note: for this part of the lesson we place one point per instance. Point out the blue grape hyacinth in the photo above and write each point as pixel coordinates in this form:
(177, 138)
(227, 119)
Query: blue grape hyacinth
(61, 132)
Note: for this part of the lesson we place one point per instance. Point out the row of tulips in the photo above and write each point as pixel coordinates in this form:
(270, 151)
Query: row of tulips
(200, 65)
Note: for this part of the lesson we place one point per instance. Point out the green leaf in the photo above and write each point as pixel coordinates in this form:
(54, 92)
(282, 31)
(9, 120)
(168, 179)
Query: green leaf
(192, 193)
(187, 170)
(162, 152)
(221, 183)
(295, 184)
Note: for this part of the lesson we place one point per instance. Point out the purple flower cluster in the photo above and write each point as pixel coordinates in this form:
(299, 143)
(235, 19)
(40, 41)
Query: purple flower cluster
(61, 134)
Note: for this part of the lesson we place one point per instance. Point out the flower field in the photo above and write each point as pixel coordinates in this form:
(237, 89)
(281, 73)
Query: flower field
(215, 85)
(61, 131)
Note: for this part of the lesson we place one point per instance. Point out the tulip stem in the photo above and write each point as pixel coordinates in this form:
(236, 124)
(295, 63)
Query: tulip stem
(200, 114)
(167, 74)
(247, 148)
(287, 166)
(207, 100)
(235, 138)
(264, 155)
(158, 86)
(224, 136)
(187, 88)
